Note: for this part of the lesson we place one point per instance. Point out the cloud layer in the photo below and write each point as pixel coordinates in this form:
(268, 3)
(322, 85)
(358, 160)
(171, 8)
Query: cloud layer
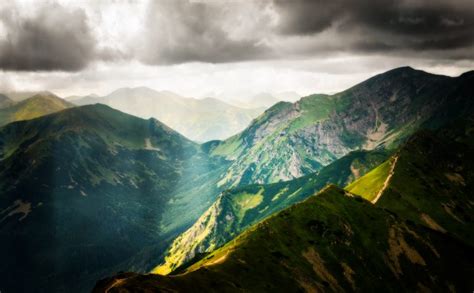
(53, 36)
(407, 26)
(185, 31)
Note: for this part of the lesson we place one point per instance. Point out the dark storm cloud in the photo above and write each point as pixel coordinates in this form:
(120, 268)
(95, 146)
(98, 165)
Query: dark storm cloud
(383, 25)
(186, 31)
(54, 38)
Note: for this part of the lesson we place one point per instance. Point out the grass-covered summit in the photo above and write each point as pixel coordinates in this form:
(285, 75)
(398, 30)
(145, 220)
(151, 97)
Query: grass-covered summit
(33, 107)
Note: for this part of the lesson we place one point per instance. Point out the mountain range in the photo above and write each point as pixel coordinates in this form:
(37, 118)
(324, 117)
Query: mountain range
(198, 119)
(244, 205)
(292, 140)
(263, 100)
(18, 96)
(415, 236)
(89, 191)
(238, 208)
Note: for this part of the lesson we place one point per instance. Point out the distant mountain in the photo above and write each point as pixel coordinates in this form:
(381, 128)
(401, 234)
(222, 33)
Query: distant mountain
(18, 96)
(239, 208)
(36, 106)
(292, 140)
(76, 97)
(265, 100)
(288, 96)
(90, 191)
(5, 101)
(414, 235)
(198, 119)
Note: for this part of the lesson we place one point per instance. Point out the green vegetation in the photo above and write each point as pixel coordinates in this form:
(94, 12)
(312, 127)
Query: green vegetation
(330, 242)
(339, 241)
(369, 185)
(432, 183)
(292, 140)
(313, 109)
(102, 189)
(239, 208)
(90, 191)
(245, 201)
(36, 106)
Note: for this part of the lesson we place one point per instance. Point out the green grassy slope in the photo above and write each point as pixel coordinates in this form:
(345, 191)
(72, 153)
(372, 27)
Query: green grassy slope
(89, 191)
(435, 189)
(237, 209)
(370, 185)
(330, 242)
(432, 181)
(36, 106)
(417, 236)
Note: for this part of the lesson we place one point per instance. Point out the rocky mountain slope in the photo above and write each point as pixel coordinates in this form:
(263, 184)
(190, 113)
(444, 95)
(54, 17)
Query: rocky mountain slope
(89, 191)
(198, 119)
(414, 237)
(33, 107)
(292, 140)
(239, 208)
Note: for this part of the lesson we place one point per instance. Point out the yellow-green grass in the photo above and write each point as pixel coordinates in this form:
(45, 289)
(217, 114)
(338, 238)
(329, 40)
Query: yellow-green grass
(370, 184)
(246, 201)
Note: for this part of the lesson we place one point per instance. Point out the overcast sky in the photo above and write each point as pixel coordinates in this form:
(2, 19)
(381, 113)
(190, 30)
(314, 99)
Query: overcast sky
(227, 48)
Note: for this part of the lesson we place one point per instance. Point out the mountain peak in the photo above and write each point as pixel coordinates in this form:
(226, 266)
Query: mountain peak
(130, 90)
(38, 105)
(44, 95)
(106, 122)
(403, 70)
(47, 100)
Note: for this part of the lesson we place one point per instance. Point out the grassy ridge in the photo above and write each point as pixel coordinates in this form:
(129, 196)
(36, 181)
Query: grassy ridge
(418, 236)
(369, 185)
(90, 191)
(36, 106)
(239, 208)
(330, 242)
(432, 182)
